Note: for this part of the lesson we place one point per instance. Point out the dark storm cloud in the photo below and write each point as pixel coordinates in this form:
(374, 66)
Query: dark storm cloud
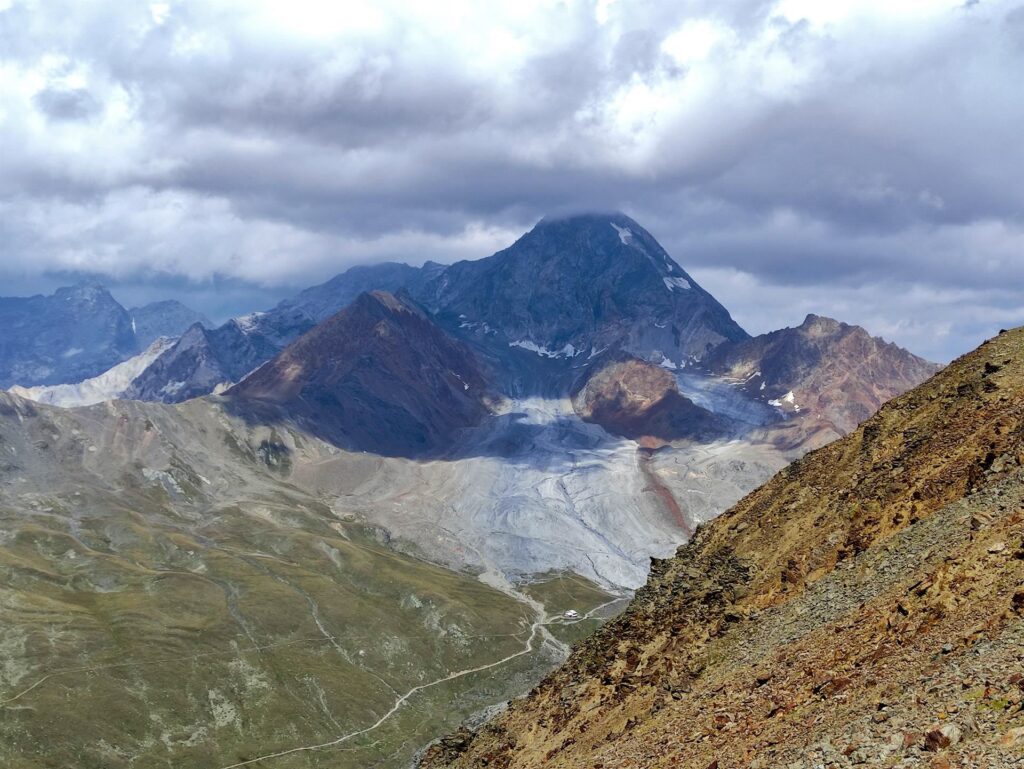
(841, 156)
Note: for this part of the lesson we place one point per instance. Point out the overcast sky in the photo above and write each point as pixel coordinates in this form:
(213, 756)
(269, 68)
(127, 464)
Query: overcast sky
(860, 159)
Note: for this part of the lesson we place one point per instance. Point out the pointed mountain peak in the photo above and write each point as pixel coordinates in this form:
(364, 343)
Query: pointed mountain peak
(592, 281)
(603, 229)
(830, 370)
(379, 376)
(378, 302)
(820, 324)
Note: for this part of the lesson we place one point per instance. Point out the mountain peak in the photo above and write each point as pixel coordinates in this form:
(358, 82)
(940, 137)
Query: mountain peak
(87, 289)
(387, 302)
(604, 230)
(820, 324)
(586, 282)
(379, 376)
(834, 371)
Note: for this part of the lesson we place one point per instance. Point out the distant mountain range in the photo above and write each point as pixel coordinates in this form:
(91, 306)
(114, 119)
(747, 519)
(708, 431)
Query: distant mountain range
(582, 305)
(78, 333)
(566, 291)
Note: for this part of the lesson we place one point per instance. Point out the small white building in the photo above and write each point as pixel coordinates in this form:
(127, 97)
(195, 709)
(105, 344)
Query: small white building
(571, 614)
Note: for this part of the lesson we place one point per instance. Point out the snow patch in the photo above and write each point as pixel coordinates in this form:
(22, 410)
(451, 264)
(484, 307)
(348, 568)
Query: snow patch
(475, 325)
(248, 323)
(569, 351)
(162, 478)
(666, 363)
(673, 283)
(788, 398)
(171, 389)
(625, 234)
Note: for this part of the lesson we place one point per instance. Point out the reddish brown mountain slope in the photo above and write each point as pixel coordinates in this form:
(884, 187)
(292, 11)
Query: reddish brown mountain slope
(640, 400)
(833, 371)
(378, 376)
(864, 607)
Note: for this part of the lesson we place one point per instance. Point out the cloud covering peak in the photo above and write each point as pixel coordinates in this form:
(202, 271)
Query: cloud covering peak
(859, 159)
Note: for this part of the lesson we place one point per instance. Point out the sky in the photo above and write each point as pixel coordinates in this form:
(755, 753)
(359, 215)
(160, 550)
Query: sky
(861, 160)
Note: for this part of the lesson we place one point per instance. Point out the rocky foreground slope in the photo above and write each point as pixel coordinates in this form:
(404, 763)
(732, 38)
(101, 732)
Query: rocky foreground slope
(864, 607)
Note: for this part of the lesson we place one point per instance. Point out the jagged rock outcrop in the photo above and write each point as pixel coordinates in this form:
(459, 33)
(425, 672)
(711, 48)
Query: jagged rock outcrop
(864, 607)
(205, 360)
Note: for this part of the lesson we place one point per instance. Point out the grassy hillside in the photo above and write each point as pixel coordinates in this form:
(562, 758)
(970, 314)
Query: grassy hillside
(167, 599)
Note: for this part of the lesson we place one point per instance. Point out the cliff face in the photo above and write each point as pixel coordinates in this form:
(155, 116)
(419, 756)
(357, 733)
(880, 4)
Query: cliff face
(863, 607)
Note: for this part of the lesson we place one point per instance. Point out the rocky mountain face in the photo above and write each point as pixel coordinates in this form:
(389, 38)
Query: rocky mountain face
(169, 319)
(378, 376)
(640, 400)
(79, 333)
(836, 371)
(580, 285)
(205, 360)
(76, 333)
(864, 607)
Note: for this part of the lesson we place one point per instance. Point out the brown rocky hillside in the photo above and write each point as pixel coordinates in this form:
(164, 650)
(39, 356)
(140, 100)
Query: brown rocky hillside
(641, 400)
(836, 372)
(863, 608)
(378, 376)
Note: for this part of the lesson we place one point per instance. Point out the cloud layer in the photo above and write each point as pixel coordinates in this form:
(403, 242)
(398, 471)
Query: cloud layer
(860, 159)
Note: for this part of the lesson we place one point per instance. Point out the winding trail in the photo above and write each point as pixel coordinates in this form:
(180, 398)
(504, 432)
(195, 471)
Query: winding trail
(537, 628)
